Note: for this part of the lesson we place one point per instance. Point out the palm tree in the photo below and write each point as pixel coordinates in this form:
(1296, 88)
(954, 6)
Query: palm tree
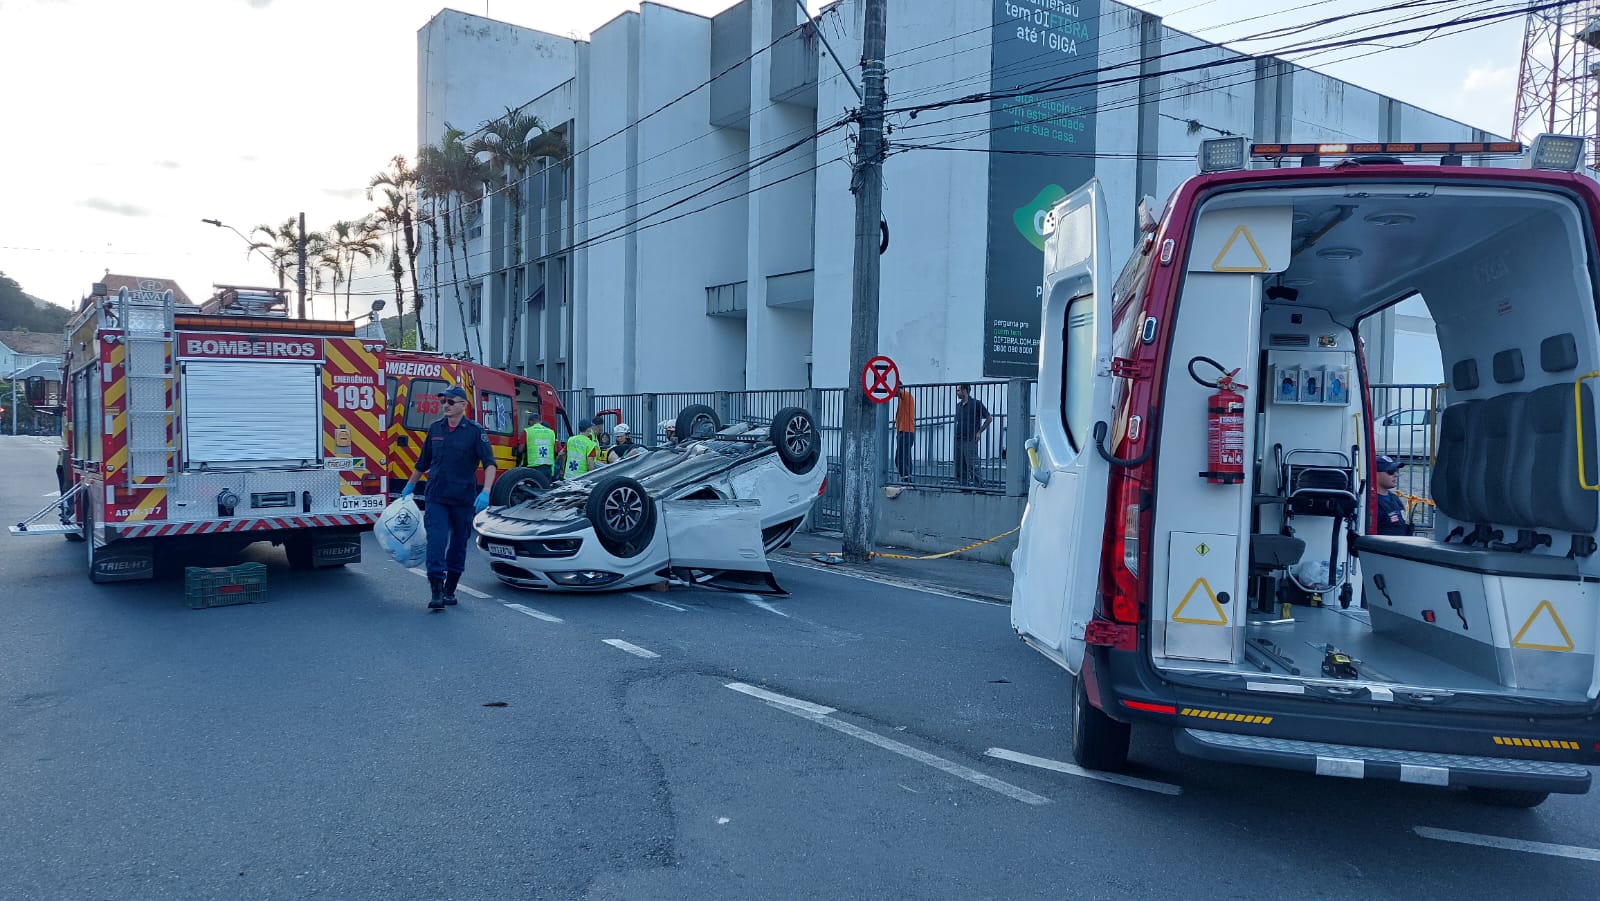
(390, 215)
(399, 182)
(449, 172)
(347, 240)
(512, 144)
(280, 242)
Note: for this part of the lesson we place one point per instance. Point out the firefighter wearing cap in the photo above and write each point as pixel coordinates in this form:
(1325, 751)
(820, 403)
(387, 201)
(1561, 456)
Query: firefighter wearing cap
(539, 445)
(582, 450)
(1391, 509)
(452, 451)
(624, 447)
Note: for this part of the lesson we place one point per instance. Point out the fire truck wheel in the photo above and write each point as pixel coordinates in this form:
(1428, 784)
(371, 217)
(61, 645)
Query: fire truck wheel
(521, 484)
(1098, 741)
(695, 417)
(91, 553)
(795, 436)
(623, 515)
(298, 549)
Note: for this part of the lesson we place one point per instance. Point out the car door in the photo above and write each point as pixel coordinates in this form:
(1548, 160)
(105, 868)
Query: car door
(717, 544)
(1057, 564)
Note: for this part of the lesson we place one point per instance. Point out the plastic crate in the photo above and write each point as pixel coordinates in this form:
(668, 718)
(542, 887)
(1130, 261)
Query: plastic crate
(223, 586)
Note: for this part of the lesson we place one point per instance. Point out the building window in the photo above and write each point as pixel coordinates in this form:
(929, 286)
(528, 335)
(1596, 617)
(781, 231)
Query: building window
(475, 303)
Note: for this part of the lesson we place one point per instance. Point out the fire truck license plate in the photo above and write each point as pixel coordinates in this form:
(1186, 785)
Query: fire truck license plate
(502, 550)
(361, 503)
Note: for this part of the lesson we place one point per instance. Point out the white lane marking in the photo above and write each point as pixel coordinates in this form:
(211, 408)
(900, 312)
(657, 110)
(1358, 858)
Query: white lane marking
(894, 583)
(649, 600)
(775, 698)
(535, 613)
(757, 601)
(471, 592)
(798, 708)
(1070, 769)
(633, 649)
(1507, 844)
(51, 494)
(419, 571)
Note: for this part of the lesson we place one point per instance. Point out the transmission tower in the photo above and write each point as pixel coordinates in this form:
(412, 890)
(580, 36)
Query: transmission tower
(1558, 88)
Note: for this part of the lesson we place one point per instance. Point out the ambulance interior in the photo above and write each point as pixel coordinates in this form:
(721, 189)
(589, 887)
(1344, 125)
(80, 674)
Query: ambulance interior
(1498, 600)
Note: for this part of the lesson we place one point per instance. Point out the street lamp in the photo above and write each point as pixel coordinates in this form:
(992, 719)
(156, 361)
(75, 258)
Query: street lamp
(253, 246)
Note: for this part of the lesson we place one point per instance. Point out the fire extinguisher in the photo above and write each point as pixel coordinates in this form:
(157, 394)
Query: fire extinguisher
(1224, 425)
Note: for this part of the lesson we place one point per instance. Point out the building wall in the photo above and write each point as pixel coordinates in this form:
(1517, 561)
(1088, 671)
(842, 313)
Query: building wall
(686, 201)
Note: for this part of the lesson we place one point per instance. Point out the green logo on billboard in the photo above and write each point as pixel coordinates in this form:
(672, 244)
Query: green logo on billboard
(1030, 218)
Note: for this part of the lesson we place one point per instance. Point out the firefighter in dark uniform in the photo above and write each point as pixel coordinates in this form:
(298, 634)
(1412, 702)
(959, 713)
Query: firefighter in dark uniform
(1391, 508)
(451, 454)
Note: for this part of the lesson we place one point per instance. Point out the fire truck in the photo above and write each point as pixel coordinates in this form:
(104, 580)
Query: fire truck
(230, 424)
(500, 401)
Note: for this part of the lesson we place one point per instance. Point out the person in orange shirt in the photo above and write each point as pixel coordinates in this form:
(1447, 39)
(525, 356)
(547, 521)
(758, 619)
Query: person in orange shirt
(905, 432)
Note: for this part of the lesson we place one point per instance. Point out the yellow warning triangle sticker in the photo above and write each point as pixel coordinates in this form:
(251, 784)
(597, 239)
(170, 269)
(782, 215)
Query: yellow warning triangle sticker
(1537, 633)
(1222, 615)
(1240, 257)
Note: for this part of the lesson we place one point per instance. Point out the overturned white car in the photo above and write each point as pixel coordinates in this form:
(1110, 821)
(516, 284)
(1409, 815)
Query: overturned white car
(705, 511)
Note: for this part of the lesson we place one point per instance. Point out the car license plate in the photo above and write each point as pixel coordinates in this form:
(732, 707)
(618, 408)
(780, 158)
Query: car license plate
(502, 550)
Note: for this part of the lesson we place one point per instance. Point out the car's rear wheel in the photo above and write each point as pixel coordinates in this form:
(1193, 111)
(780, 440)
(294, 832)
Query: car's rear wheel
(521, 484)
(623, 515)
(1098, 741)
(794, 434)
(695, 419)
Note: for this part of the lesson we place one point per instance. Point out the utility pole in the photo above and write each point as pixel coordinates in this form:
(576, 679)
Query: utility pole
(861, 457)
(300, 276)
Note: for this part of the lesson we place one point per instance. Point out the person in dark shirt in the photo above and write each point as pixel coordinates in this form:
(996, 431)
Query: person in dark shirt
(972, 418)
(451, 454)
(1391, 508)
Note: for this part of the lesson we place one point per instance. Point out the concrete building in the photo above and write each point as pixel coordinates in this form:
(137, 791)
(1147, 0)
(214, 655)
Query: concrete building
(700, 235)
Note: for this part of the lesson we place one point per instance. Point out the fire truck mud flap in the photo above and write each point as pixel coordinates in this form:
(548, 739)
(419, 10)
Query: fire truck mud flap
(122, 561)
(1354, 762)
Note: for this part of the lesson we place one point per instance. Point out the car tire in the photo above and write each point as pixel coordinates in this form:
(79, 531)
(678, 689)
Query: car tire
(696, 416)
(521, 484)
(1098, 741)
(794, 433)
(1507, 797)
(623, 515)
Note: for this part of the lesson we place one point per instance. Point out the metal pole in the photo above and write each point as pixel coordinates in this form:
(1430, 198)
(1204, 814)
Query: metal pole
(13, 403)
(842, 70)
(861, 471)
(300, 278)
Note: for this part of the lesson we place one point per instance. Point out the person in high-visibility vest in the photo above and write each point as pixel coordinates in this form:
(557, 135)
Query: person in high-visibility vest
(539, 445)
(582, 450)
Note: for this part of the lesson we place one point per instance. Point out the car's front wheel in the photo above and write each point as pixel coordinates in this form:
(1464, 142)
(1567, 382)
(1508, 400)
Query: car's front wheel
(794, 433)
(623, 515)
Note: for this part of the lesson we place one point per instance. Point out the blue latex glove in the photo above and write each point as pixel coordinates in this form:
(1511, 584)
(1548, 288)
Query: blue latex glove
(482, 503)
(407, 491)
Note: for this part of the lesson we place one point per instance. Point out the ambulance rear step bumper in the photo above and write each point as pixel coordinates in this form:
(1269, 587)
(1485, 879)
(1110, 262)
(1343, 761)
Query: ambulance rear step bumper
(1353, 762)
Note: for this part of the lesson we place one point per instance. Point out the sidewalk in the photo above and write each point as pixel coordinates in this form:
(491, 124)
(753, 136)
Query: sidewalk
(951, 575)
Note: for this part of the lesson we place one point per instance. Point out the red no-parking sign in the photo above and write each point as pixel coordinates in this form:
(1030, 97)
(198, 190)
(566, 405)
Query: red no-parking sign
(880, 379)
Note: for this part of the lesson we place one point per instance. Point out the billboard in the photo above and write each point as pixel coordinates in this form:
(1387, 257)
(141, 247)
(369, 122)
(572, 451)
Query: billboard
(1042, 145)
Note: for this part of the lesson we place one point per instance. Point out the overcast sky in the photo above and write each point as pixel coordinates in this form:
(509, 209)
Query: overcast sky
(128, 121)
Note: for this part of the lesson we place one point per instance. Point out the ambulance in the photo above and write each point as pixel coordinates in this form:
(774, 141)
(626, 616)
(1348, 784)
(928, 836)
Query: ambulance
(229, 425)
(500, 401)
(1200, 547)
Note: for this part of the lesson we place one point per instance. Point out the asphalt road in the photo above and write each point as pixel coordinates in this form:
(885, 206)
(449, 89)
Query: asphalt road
(854, 740)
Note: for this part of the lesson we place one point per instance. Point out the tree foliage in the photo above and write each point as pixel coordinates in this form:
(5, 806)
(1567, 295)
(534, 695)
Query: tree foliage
(20, 311)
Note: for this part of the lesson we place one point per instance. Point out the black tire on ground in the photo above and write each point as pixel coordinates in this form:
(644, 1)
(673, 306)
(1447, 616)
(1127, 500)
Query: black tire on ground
(1507, 797)
(623, 515)
(91, 553)
(794, 434)
(521, 484)
(694, 417)
(1098, 741)
(298, 549)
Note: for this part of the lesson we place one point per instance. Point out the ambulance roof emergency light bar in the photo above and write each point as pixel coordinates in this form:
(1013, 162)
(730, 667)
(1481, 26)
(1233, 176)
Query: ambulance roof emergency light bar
(1557, 152)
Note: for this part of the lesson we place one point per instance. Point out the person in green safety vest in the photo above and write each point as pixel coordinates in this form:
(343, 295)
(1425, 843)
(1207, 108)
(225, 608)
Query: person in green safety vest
(539, 445)
(582, 450)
